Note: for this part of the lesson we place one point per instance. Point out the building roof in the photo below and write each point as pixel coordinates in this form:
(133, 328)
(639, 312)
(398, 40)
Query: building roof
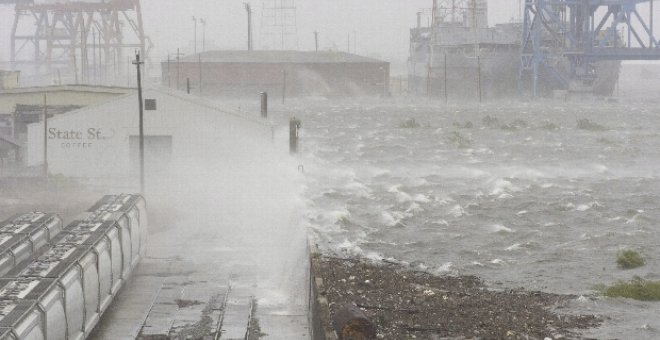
(8, 143)
(22, 110)
(298, 57)
(177, 95)
(68, 88)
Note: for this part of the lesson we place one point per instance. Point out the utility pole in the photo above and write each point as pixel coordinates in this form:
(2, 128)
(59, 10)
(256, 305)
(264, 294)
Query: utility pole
(178, 67)
(283, 86)
(316, 40)
(195, 42)
(169, 74)
(137, 64)
(429, 65)
(200, 74)
(264, 105)
(203, 34)
(479, 78)
(248, 9)
(94, 55)
(446, 89)
(45, 137)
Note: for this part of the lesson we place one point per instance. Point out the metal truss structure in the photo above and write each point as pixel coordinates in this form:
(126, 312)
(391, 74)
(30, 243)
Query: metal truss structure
(475, 12)
(72, 34)
(279, 27)
(563, 39)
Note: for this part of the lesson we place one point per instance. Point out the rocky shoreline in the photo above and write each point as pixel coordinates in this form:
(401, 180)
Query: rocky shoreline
(406, 304)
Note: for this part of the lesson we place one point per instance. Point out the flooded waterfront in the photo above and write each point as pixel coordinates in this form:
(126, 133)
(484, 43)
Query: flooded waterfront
(541, 196)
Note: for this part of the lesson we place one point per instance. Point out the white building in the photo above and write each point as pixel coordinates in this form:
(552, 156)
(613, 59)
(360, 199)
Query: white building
(102, 141)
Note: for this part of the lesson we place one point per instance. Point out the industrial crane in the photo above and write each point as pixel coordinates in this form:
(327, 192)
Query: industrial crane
(579, 33)
(71, 35)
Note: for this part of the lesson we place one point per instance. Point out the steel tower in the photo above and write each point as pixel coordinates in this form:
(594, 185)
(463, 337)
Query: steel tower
(563, 39)
(279, 27)
(88, 39)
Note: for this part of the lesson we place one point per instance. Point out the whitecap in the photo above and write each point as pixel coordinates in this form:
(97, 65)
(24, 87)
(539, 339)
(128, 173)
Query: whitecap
(504, 196)
(444, 268)
(582, 207)
(497, 228)
(394, 188)
(387, 219)
(414, 208)
(418, 182)
(421, 198)
(373, 256)
(457, 211)
(513, 247)
(522, 212)
(358, 189)
(502, 186)
(601, 168)
(497, 261)
(403, 197)
(582, 299)
(443, 201)
(350, 248)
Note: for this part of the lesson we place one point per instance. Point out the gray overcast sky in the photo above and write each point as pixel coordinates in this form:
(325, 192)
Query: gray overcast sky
(381, 25)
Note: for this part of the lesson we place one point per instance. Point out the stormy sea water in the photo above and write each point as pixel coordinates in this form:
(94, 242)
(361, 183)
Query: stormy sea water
(535, 195)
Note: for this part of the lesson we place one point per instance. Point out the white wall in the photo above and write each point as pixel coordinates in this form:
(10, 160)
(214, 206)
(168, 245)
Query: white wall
(94, 142)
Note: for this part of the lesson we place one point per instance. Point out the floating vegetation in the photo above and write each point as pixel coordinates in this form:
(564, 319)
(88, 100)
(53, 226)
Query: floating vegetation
(459, 140)
(490, 121)
(606, 141)
(550, 126)
(637, 289)
(410, 124)
(343, 220)
(586, 124)
(515, 125)
(629, 259)
(467, 125)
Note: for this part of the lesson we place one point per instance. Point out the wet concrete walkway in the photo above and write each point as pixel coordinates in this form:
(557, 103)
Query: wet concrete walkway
(227, 249)
(181, 295)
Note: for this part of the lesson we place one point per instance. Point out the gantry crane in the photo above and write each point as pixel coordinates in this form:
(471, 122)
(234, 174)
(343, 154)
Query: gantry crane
(71, 35)
(564, 39)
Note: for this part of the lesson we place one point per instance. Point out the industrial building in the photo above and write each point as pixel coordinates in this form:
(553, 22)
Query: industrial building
(9, 79)
(288, 73)
(22, 106)
(102, 141)
(78, 95)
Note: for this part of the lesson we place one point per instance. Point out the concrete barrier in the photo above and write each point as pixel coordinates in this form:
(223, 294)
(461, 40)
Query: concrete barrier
(319, 308)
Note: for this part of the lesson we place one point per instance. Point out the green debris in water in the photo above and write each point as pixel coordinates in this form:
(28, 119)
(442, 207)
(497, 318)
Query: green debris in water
(637, 289)
(410, 124)
(629, 259)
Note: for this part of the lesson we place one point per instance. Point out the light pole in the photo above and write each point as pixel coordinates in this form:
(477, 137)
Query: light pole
(248, 9)
(137, 64)
(195, 41)
(45, 137)
(203, 34)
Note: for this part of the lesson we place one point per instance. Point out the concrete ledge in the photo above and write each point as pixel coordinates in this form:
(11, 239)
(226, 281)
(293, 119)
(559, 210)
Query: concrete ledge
(319, 309)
